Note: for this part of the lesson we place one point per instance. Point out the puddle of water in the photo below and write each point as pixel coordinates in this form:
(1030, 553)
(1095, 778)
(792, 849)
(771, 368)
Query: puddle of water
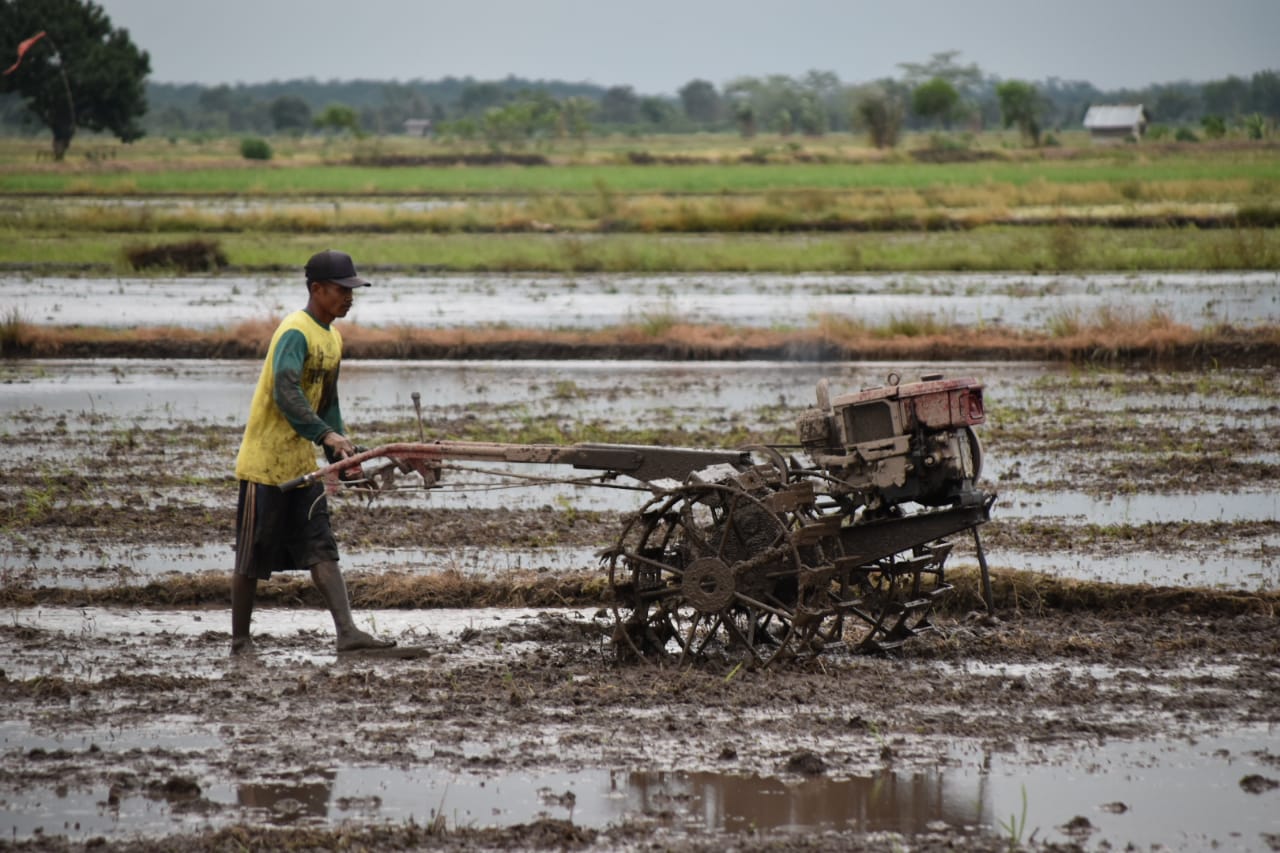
(1139, 508)
(445, 623)
(1184, 796)
(70, 565)
(1098, 672)
(1236, 572)
(1174, 795)
(157, 393)
(545, 301)
(177, 732)
(1257, 568)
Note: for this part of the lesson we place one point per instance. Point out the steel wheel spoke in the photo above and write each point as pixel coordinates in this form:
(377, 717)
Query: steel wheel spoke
(688, 642)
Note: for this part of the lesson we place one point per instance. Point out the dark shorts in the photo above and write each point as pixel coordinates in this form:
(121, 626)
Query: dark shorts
(281, 531)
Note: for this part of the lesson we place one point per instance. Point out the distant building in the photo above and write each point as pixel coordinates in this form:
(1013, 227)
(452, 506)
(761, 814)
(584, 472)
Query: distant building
(417, 126)
(1116, 123)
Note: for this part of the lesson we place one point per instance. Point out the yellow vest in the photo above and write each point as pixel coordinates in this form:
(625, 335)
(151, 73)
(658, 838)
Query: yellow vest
(272, 450)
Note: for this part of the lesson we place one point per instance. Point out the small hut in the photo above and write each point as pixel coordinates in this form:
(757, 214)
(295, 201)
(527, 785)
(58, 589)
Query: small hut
(417, 126)
(1116, 123)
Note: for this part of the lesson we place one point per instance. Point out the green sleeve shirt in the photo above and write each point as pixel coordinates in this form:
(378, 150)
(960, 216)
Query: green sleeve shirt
(295, 403)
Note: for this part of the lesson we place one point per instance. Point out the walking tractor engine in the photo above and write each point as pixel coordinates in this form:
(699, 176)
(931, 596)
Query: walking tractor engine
(751, 555)
(898, 443)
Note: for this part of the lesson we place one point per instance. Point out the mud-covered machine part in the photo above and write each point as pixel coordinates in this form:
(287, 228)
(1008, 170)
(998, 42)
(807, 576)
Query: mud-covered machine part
(812, 551)
(769, 553)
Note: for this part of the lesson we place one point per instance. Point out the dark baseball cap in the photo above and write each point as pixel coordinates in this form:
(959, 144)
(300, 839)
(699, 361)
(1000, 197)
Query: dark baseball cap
(336, 267)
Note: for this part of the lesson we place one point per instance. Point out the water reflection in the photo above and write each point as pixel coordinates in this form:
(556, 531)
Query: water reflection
(1177, 795)
(886, 801)
(289, 801)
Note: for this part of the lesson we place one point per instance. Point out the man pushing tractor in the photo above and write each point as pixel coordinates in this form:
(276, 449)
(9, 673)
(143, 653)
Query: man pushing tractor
(294, 409)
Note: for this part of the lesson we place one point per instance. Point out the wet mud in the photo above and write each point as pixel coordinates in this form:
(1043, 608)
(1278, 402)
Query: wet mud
(164, 717)
(1095, 709)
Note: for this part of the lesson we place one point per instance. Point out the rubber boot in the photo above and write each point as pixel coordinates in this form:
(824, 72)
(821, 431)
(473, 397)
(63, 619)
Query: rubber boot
(333, 589)
(243, 591)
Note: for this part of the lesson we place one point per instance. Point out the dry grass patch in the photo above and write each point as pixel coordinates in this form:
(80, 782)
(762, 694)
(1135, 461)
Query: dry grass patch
(1114, 330)
(1110, 335)
(1033, 593)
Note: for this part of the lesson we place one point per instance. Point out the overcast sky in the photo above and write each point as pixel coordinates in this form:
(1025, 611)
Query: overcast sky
(657, 46)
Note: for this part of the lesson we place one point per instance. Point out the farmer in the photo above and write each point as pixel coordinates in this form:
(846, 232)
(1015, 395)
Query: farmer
(294, 408)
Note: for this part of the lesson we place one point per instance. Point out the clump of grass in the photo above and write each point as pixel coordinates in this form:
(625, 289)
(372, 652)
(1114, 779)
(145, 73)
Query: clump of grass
(833, 327)
(659, 322)
(1243, 249)
(567, 389)
(255, 148)
(1066, 246)
(579, 256)
(188, 256)
(1111, 330)
(1064, 324)
(13, 332)
(912, 325)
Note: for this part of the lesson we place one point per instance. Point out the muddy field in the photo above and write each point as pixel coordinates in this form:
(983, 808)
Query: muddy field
(1125, 693)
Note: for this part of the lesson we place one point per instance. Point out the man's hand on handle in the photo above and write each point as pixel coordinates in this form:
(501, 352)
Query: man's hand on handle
(337, 446)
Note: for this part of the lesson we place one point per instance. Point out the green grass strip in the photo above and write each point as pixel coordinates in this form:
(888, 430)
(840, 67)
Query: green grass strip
(1049, 248)
(713, 178)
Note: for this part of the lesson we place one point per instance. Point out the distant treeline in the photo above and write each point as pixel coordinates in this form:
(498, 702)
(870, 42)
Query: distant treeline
(938, 94)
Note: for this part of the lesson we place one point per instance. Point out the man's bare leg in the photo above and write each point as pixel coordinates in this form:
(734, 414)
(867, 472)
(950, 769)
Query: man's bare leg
(333, 589)
(243, 591)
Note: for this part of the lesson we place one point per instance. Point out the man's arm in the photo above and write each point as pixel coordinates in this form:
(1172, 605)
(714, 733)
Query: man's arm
(290, 357)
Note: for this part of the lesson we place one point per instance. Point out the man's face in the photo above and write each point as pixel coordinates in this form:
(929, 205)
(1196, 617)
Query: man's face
(333, 299)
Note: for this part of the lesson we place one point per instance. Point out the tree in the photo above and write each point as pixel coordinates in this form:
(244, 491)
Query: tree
(826, 102)
(508, 125)
(478, 97)
(811, 119)
(1229, 97)
(781, 103)
(574, 117)
(1020, 105)
(880, 112)
(744, 115)
(1215, 127)
(966, 80)
(290, 113)
(620, 105)
(1173, 104)
(1255, 125)
(656, 111)
(399, 103)
(338, 117)
(935, 100)
(943, 66)
(701, 102)
(81, 74)
(1264, 93)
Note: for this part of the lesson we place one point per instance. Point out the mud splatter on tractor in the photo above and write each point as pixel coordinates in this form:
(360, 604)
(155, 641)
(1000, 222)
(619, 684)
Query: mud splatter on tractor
(772, 552)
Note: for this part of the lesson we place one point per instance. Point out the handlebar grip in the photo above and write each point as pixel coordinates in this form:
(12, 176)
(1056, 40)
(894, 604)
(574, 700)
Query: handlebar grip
(290, 485)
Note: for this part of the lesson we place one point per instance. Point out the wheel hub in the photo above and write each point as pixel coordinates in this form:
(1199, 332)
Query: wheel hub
(708, 585)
